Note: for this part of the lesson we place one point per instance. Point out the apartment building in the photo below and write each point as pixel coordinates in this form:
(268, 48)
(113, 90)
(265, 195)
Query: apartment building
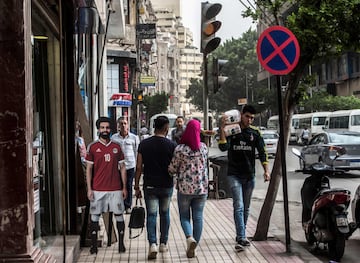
(190, 59)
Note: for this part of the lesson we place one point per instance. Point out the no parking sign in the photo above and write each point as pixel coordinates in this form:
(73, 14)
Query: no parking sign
(278, 50)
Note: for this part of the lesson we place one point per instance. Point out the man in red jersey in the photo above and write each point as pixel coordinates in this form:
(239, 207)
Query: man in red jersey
(105, 189)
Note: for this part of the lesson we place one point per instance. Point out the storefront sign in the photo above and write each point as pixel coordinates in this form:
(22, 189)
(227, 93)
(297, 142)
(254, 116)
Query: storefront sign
(146, 31)
(121, 100)
(147, 80)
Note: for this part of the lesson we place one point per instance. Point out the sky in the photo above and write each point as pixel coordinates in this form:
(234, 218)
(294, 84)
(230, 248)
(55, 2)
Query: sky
(233, 24)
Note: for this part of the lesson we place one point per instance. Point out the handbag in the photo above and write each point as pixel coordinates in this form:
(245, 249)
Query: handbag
(137, 219)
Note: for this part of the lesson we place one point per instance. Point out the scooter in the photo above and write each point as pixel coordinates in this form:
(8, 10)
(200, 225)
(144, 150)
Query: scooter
(324, 214)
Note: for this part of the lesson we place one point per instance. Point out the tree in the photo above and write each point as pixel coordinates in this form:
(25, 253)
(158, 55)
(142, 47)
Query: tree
(195, 93)
(324, 29)
(322, 101)
(155, 104)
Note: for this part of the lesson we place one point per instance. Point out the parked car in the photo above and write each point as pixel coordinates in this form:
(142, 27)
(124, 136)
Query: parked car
(320, 148)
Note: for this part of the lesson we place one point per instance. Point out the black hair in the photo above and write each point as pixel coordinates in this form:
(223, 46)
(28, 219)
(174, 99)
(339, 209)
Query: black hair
(121, 118)
(160, 122)
(248, 108)
(103, 119)
(180, 117)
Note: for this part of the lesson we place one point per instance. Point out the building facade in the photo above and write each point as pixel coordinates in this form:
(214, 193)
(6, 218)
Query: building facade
(50, 53)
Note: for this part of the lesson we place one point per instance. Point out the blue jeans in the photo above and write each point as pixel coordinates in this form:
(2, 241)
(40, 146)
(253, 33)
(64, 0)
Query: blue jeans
(129, 182)
(157, 199)
(196, 204)
(242, 190)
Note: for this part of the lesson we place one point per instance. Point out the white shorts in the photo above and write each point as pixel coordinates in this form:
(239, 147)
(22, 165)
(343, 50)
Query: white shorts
(111, 201)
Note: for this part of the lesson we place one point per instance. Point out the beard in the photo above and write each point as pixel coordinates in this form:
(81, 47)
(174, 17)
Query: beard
(104, 135)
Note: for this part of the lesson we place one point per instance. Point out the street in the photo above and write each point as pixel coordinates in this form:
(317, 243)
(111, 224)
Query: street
(295, 180)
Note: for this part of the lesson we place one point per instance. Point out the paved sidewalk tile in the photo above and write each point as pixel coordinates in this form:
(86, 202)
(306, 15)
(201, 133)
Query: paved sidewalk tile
(217, 244)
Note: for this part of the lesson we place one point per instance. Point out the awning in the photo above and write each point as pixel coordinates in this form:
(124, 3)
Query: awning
(120, 54)
(88, 21)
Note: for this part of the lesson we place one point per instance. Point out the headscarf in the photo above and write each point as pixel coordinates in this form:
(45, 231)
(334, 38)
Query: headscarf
(191, 135)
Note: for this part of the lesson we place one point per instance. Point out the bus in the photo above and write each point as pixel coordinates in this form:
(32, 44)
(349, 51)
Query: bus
(346, 120)
(318, 121)
(273, 123)
(293, 128)
(314, 121)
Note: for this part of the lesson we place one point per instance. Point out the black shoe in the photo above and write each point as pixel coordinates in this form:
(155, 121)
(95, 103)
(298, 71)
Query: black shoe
(93, 250)
(244, 242)
(122, 248)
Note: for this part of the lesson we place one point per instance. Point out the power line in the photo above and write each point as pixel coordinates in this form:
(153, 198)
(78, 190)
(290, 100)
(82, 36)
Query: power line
(266, 21)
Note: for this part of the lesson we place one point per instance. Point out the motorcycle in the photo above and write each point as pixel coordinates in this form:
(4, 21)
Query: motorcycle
(324, 209)
(355, 207)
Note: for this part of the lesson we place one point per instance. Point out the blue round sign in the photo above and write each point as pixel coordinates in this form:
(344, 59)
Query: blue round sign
(278, 50)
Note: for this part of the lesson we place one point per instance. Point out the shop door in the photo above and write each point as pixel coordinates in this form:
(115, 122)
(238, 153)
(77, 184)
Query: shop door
(43, 181)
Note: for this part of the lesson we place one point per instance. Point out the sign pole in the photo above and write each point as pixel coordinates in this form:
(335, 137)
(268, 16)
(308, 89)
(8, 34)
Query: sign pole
(283, 164)
(278, 52)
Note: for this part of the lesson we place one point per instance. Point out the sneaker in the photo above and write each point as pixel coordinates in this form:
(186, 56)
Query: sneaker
(153, 250)
(191, 246)
(128, 211)
(244, 242)
(163, 248)
(239, 247)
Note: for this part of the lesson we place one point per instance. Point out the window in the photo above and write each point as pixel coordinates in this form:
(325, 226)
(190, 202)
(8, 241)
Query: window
(355, 120)
(112, 79)
(339, 122)
(319, 120)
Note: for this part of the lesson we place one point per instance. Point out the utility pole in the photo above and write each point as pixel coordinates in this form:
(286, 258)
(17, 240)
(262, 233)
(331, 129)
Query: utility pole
(138, 70)
(205, 93)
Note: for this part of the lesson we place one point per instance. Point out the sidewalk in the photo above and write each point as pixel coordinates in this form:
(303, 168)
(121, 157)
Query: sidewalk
(217, 244)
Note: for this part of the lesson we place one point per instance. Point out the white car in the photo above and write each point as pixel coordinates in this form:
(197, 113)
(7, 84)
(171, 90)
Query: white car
(271, 139)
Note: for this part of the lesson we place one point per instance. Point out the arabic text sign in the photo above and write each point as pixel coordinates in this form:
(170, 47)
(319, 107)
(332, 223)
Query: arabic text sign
(146, 31)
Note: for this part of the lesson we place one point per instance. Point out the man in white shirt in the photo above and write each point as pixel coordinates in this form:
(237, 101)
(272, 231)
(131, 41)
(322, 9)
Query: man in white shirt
(129, 143)
(305, 136)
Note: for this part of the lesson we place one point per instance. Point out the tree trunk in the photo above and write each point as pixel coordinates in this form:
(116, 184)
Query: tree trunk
(267, 208)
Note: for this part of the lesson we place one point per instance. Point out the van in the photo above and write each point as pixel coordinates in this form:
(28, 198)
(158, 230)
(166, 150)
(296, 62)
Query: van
(172, 123)
(318, 121)
(344, 120)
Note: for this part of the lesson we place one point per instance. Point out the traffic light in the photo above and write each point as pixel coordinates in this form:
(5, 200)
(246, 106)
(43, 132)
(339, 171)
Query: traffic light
(209, 26)
(218, 78)
(140, 95)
